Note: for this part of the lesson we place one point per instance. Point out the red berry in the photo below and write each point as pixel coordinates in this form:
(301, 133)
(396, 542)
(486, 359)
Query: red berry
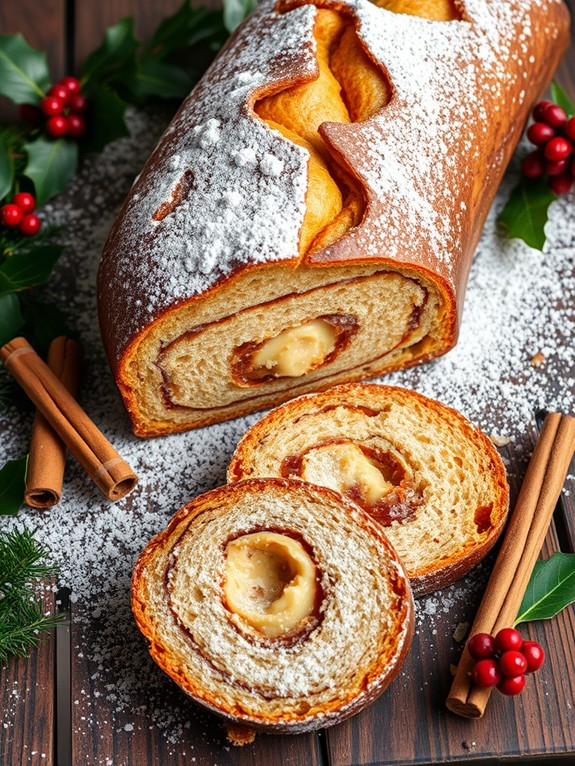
(558, 149)
(539, 109)
(555, 168)
(486, 673)
(511, 686)
(534, 165)
(30, 225)
(56, 126)
(507, 639)
(78, 103)
(11, 215)
(75, 126)
(555, 116)
(481, 646)
(60, 92)
(534, 654)
(30, 113)
(562, 184)
(539, 133)
(512, 663)
(570, 128)
(71, 84)
(51, 106)
(25, 202)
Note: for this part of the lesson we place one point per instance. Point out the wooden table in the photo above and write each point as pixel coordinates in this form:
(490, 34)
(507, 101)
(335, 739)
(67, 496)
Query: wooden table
(47, 722)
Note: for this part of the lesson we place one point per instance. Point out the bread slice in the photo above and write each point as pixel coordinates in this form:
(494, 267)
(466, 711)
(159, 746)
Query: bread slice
(420, 468)
(334, 660)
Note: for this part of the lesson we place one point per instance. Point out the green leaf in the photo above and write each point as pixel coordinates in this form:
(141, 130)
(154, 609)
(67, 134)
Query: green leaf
(51, 166)
(12, 486)
(107, 121)
(155, 79)
(116, 51)
(526, 212)
(551, 588)
(187, 27)
(11, 319)
(44, 322)
(26, 269)
(6, 163)
(24, 75)
(561, 98)
(235, 11)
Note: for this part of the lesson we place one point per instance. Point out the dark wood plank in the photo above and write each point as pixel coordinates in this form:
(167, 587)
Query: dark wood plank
(42, 24)
(92, 20)
(27, 706)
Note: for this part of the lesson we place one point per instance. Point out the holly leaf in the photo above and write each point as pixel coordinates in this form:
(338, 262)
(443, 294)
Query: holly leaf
(526, 212)
(24, 75)
(44, 322)
(6, 163)
(156, 79)
(187, 27)
(51, 166)
(560, 97)
(12, 486)
(107, 121)
(116, 51)
(26, 269)
(11, 319)
(235, 11)
(551, 588)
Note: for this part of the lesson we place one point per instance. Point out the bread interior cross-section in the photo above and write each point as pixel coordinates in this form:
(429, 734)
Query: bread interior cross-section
(307, 219)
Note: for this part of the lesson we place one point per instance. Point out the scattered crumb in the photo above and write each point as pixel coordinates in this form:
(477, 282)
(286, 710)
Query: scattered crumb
(240, 735)
(460, 631)
(499, 441)
(537, 360)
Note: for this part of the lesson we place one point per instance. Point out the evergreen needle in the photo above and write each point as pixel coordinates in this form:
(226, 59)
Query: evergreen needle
(22, 618)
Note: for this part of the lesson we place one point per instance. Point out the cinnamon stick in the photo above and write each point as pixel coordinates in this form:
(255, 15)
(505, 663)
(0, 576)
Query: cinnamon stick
(519, 552)
(47, 451)
(84, 440)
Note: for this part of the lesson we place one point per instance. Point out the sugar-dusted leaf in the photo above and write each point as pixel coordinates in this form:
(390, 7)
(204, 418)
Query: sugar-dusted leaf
(526, 212)
(28, 268)
(51, 166)
(551, 588)
(183, 29)
(107, 121)
(156, 79)
(235, 11)
(117, 51)
(6, 163)
(24, 75)
(11, 319)
(12, 486)
(560, 97)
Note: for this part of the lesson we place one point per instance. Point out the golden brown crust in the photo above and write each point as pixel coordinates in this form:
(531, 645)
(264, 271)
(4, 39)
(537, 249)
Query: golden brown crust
(452, 568)
(381, 674)
(472, 182)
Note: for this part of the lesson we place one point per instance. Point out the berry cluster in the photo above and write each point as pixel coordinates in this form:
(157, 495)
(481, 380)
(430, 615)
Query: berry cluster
(503, 660)
(19, 213)
(554, 135)
(63, 108)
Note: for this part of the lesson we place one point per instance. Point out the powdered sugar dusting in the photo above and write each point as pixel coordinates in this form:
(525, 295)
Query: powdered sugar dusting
(519, 301)
(449, 82)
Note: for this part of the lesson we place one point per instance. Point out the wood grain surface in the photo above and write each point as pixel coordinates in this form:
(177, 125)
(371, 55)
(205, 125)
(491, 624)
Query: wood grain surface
(409, 724)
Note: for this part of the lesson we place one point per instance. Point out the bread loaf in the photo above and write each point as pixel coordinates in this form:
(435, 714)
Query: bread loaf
(422, 470)
(279, 605)
(310, 215)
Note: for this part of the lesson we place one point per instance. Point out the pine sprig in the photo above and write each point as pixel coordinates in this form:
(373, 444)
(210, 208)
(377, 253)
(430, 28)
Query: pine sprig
(22, 613)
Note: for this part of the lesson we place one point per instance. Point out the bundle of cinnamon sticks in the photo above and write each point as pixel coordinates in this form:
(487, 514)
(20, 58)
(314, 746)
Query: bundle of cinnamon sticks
(519, 552)
(60, 422)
